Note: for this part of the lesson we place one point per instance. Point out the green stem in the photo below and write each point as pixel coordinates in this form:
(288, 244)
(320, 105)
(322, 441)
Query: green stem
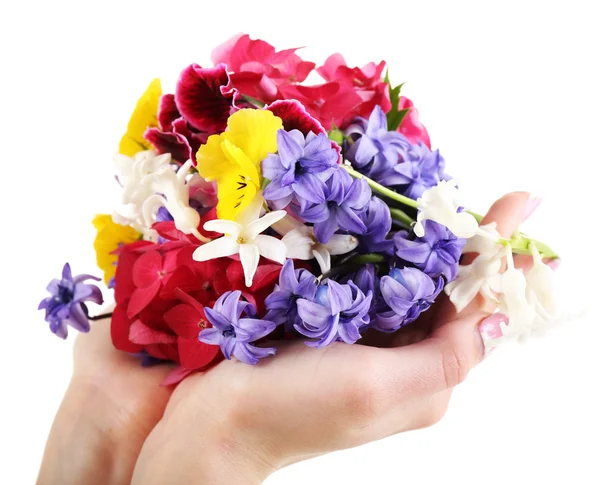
(381, 189)
(519, 242)
(400, 215)
(367, 258)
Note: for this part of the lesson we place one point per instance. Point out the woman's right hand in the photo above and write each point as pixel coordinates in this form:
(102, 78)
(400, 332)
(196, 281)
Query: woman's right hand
(238, 423)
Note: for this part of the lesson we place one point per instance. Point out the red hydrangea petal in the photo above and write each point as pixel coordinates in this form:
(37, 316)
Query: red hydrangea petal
(128, 255)
(164, 351)
(184, 320)
(141, 298)
(147, 269)
(183, 278)
(194, 354)
(143, 335)
(119, 330)
(200, 100)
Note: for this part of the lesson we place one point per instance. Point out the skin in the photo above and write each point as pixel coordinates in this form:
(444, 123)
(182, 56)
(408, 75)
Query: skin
(238, 423)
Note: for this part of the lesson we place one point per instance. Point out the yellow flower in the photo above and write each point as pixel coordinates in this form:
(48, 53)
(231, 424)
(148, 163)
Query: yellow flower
(110, 236)
(233, 158)
(143, 117)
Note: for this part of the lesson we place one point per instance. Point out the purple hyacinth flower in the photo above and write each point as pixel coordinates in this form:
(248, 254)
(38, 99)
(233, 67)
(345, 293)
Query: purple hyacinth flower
(420, 169)
(66, 304)
(345, 200)
(375, 151)
(437, 253)
(378, 221)
(282, 303)
(299, 169)
(408, 292)
(338, 312)
(235, 334)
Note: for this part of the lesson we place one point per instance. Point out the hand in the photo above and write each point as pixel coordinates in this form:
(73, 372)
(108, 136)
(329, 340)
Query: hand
(238, 423)
(110, 407)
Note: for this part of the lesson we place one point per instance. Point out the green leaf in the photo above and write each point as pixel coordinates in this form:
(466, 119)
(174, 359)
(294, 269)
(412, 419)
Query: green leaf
(394, 117)
(265, 182)
(336, 135)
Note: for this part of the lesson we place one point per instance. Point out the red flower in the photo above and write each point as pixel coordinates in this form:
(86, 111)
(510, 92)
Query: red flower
(161, 293)
(365, 81)
(202, 102)
(257, 70)
(329, 103)
(411, 127)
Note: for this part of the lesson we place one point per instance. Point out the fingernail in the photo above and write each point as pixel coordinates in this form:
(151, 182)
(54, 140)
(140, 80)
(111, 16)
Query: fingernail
(554, 264)
(532, 204)
(490, 330)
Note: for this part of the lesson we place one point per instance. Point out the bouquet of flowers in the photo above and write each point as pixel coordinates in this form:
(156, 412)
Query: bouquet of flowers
(256, 208)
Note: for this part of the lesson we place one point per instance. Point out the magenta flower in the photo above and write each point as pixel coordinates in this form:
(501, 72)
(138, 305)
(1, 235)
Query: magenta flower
(411, 127)
(366, 81)
(257, 70)
(202, 102)
(330, 103)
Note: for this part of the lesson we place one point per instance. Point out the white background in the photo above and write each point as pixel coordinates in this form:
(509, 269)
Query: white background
(510, 94)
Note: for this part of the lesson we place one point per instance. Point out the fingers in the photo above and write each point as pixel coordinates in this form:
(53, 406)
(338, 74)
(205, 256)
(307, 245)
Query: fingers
(509, 212)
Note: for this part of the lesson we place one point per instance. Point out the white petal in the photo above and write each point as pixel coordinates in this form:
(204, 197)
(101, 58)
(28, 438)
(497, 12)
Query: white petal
(224, 227)
(341, 244)
(219, 248)
(252, 211)
(256, 227)
(249, 257)
(152, 204)
(186, 219)
(285, 225)
(271, 248)
(462, 292)
(481, 244)
(323, 257)
(299, 246)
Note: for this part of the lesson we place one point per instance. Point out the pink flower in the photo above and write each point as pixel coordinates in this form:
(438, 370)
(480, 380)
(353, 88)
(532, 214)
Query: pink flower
(366, 82)
(330, 103)
(411, 127)
(257, 70)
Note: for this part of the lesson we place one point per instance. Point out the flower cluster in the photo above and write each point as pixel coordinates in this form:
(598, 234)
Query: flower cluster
(257, 208)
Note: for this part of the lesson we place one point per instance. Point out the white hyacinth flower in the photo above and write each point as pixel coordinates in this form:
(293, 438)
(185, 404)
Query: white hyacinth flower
(301, 243)
(137, 175)
(481, 276)
(440, 204)
(540, 287)
(244, 237)
(174, 190)
(485, 241)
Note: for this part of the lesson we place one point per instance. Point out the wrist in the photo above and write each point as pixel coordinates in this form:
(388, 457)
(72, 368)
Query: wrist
(88, 442)
(200, 447)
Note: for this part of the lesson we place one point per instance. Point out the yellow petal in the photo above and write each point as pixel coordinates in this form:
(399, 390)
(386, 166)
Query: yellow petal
(144, 116)
(211, 161)
(109, 237)
(235, 194)
(254, 131)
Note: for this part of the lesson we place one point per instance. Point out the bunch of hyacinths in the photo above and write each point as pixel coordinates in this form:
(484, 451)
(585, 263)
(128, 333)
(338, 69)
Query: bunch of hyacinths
(255, 208)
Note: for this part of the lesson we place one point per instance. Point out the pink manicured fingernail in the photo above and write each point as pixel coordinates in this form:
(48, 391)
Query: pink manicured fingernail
(532, 204)
(490, 329)
(554, 264)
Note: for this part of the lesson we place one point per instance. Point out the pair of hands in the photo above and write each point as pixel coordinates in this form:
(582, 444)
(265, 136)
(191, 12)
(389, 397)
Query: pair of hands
(238, 423)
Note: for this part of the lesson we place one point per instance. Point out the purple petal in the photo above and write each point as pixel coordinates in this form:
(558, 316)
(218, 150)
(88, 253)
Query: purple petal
(79, 320)
(340, 297)
(290, 147)
(66, 272)
(211, 336)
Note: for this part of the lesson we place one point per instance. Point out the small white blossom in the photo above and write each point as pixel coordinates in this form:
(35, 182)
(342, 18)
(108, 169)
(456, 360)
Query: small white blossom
(244, 237)
(481, 276)
(137, 176)
(440, 204)
(172, 190)
(485, 241)
(301, 243)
